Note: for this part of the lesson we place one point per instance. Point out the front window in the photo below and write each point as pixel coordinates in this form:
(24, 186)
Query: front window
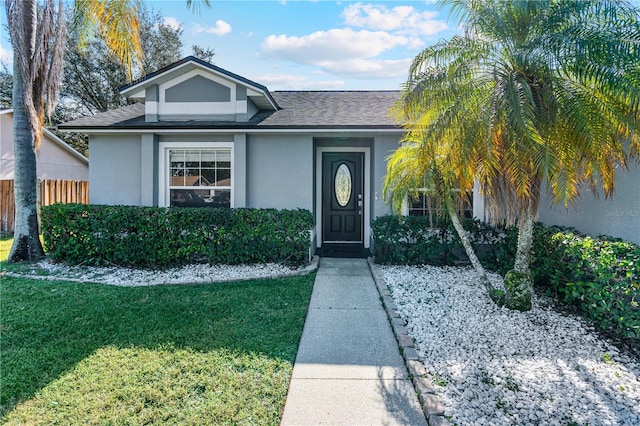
(200, 177)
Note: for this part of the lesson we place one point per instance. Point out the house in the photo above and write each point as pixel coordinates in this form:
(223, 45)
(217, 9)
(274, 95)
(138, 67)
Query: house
(63, 172)
(56, 160)
(199, 135)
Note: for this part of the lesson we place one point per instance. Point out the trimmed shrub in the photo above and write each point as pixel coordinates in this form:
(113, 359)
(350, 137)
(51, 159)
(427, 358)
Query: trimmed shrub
(154, 237)
(410, 240)
(599, 276)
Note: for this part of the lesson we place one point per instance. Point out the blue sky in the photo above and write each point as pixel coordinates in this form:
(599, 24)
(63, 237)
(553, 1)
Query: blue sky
(309, 44)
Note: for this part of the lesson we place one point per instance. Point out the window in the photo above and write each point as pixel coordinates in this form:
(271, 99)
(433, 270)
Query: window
(200, 177)
(425, 205)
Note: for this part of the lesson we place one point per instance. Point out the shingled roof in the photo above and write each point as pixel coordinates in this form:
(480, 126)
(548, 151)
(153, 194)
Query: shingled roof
(298, 110)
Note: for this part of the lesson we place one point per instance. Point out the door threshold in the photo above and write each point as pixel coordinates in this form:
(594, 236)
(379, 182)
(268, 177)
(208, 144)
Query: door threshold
(344, 250)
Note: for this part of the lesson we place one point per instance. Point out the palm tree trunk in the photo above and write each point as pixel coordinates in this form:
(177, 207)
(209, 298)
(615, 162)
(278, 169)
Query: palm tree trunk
(468, 248)
(518, 281)
(525, 243)
(26, 241)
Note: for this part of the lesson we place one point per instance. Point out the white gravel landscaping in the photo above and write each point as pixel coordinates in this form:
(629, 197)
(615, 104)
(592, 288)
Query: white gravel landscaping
(190, 274)
(493, 366)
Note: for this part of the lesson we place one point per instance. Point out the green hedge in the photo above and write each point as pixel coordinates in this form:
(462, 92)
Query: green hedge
(409, 240)
(153, 237)
(597, 276)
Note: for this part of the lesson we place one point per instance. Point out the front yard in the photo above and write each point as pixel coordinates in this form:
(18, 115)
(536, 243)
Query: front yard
(189, 354)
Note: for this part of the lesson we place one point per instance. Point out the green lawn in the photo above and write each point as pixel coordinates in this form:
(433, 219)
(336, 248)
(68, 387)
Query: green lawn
(189, 354)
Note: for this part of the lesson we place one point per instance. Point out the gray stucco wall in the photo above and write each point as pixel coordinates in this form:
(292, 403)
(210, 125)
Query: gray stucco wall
(383, 146)
(618, 216)
(114, 175)
(198, 89)
(280, 171)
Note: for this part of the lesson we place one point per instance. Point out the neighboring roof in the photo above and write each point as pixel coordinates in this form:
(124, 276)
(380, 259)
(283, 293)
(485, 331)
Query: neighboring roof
(50, 135)
(299, 110)
(191, 62)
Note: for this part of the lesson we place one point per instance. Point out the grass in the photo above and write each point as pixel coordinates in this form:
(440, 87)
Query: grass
(5, 246)
(191, 354)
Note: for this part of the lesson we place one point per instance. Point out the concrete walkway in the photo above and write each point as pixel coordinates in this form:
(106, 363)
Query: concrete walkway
(349, 370)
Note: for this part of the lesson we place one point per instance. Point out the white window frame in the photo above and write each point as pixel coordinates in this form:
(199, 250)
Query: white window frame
(407, 201)
(164, 166)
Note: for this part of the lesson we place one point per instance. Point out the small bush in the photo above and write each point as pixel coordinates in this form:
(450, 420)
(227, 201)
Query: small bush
(153, 237)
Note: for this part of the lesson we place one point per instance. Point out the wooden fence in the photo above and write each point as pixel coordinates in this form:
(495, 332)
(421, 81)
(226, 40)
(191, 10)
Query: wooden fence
(49, 192)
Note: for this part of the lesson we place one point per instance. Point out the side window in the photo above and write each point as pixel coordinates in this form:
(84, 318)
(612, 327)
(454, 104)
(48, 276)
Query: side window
(200, 177)
(425, 205)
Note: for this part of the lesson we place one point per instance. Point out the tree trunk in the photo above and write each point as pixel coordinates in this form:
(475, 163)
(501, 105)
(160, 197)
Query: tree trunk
(468, 248)
(526, 221)
(26, 238)
(518, 282)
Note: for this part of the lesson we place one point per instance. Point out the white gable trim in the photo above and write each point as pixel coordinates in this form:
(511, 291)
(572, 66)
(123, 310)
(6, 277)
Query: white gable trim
(137, 91)
(197, 108)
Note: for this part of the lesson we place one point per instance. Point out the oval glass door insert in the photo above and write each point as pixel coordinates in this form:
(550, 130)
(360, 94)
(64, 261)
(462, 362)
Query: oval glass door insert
(342, 185)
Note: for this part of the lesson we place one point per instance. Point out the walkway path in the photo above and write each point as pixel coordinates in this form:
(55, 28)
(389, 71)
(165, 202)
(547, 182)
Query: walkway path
(349, 370)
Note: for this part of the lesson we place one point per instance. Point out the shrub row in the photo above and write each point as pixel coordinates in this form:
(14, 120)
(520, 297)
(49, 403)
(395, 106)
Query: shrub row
(597, 276)
(153, 237)
(410, 240)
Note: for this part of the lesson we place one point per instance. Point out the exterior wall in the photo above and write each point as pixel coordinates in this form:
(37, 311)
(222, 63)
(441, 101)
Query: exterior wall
(53, 161)
(280, 171)
(383, 146)
(115, 177)
(616, 217)
(6, 147)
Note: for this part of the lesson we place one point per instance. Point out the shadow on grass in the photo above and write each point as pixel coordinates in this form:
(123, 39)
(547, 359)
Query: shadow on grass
(49, 327)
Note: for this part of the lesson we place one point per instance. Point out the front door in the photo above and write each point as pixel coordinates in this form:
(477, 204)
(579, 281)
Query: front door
(342, 197)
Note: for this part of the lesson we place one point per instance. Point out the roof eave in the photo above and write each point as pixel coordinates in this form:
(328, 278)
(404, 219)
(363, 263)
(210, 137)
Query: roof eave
(246, 129)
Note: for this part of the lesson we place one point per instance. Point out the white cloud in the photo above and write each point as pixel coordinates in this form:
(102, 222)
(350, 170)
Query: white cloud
(6, 57)
(403, 19)
(172, 22)
(296, 82)
(368, 68)
(221, 28)
(333, 45)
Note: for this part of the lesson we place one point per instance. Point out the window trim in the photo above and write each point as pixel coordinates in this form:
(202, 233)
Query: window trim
(406, 208)
(164, 166)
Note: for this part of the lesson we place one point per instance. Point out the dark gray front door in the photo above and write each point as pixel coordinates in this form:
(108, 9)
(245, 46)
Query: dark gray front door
(342, 197)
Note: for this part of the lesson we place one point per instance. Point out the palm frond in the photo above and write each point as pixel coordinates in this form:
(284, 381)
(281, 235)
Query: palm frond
(116, 22)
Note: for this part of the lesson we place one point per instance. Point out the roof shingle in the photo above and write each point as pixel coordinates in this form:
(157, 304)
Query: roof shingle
(299, 109)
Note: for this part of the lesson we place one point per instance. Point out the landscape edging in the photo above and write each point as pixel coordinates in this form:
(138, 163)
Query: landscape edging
(425, 389)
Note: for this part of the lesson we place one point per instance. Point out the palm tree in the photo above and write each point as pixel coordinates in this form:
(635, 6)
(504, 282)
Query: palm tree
(38, 36)
(535, 95)
(423, 165)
